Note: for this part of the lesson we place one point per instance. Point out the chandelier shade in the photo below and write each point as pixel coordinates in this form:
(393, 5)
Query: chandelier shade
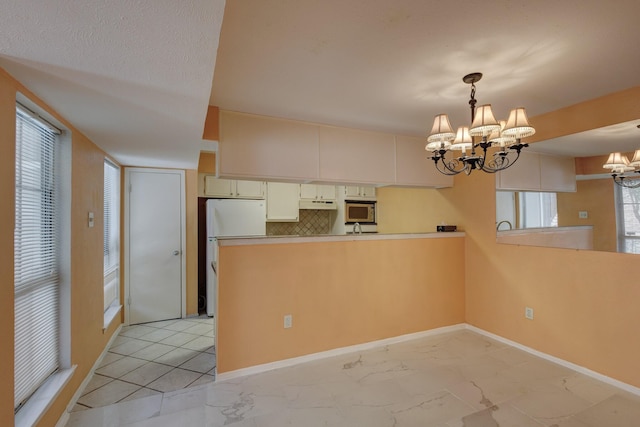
(617, 161)
(484, 122)
(463, 141)
(518, 124)
(499, 138)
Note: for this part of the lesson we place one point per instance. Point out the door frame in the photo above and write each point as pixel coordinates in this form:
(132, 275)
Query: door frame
(183, 239)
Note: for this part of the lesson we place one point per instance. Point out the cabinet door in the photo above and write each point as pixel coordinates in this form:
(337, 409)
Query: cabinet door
(557, 173)
(218, 187)
(522, 176)
(282, 202)
(250, 189)
(352, 191)
(368, 192)
(308, 191)
(326, 192)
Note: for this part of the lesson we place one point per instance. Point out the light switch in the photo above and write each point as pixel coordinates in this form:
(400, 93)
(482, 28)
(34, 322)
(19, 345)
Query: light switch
(583, 214)
(90, 219)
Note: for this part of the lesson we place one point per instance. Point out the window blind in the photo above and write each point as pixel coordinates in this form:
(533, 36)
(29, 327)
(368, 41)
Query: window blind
(111, 233)
(628, 218)
(36, 278)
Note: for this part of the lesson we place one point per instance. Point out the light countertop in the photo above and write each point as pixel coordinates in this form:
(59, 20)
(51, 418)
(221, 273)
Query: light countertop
(266, 240)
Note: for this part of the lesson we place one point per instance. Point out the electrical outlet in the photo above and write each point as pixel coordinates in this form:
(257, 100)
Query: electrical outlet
(528, 313)
(288, 321)
(583, 214)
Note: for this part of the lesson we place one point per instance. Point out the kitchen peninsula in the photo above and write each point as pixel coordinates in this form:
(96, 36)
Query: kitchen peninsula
(339, 291)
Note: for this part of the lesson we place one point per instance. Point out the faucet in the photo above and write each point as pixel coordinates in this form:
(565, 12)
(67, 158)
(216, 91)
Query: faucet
(503, 222)
(358, 226)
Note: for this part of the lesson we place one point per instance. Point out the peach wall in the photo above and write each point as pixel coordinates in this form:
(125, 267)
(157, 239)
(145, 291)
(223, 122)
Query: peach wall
(212, 124)
(414, 210)
(596, 197)
(551, 237)
(207, 163)
(87, 336)
(7, 212)
(339, 293)
(585, 304)
(191, 184)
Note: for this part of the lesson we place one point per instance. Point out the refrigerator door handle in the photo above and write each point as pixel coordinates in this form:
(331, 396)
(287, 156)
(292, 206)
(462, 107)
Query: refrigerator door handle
(213, 266)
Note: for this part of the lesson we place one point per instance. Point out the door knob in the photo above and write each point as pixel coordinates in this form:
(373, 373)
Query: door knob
(176, 253)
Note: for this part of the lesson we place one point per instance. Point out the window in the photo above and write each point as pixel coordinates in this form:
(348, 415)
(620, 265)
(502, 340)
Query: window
(538, 209)
(36, 256)
(111, 235)
(628, 218)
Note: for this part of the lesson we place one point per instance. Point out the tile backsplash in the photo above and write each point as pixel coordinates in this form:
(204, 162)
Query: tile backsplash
(311, 222)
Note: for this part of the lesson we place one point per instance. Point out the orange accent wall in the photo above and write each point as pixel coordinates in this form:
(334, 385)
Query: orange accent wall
(191, 252)
(207, 163)
(7, 213)
(339, 294)
(212, 124)
(585, 304)
(87, 336)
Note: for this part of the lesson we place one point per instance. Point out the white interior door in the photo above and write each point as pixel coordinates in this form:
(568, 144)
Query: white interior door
(155, 255)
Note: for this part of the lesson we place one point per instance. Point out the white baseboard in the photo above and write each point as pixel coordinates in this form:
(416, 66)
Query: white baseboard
(581, 369)
(336, 352)
(64, 418)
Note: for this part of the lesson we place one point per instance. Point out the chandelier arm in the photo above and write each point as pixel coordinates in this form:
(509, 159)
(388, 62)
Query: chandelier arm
(451, 166)
(442, 165)
(620, 180)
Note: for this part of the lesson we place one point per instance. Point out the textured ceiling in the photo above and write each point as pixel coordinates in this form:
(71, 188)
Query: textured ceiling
(393, 65)
(136, 76)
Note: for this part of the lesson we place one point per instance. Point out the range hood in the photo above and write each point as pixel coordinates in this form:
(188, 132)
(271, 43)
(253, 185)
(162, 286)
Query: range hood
(327, 205)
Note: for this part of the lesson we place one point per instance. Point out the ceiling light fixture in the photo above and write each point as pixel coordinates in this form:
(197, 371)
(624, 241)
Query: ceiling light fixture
(504, 135)
(619, 164)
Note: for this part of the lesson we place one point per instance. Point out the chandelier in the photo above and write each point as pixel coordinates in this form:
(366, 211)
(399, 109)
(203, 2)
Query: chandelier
(506, 136)
(619, 164)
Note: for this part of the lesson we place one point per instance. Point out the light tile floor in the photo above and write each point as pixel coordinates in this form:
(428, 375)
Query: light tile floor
(458, 379)
(152, 359)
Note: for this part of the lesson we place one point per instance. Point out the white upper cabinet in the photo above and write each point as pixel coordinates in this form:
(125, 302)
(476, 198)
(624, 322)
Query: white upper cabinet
(317, 192)
(414, 166)
(259, 147)
(283, 202)
(557, 173)
(264, 147)
(359, 192)
(349, 155)
(539, 172)
(230, 188)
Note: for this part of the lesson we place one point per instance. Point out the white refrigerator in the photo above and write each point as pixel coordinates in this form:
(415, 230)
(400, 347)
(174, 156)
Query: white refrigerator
(229, 218)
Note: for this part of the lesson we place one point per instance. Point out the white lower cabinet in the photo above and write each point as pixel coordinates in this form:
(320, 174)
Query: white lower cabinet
(283, 201)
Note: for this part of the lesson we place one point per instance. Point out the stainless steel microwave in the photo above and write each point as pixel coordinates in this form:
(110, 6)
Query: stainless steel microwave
(360, 211)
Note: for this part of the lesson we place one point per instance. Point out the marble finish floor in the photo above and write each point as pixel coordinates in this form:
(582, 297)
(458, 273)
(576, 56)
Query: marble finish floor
(456, 379)
(152, 359)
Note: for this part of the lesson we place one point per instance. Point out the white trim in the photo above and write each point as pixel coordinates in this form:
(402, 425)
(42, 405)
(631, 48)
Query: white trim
(109, 315)
(41, 400)
(336, 352)
(64, 418)
(183, 234)
(581, 369)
